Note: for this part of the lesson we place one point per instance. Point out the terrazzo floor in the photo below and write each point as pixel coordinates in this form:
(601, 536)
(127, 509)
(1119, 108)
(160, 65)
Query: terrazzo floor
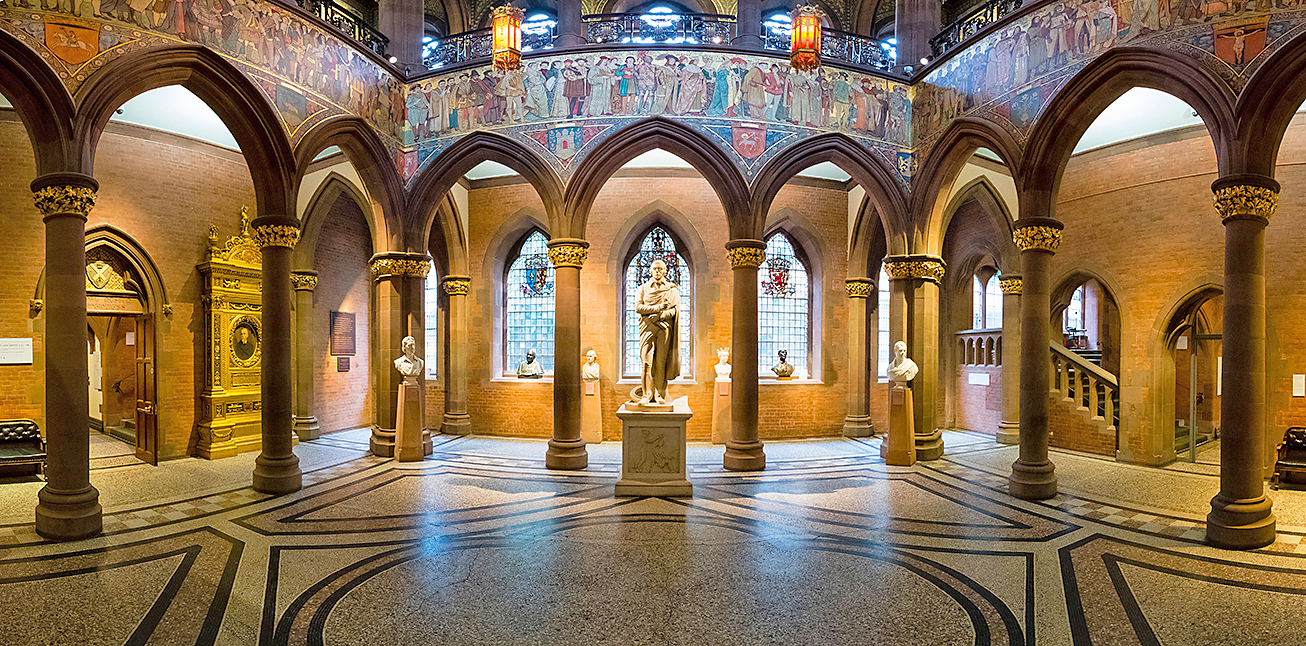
(480, 544)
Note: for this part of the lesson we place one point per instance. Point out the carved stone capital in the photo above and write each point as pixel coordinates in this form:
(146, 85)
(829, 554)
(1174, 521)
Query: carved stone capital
(746, 253)
(276, 235)
(64, 200)
(457, 285)
(859, 287)
(1010, 284)
(1037, 234)
(1245, 198)
(303, 281)
(568, 252)
(911, 267)
(415, 267)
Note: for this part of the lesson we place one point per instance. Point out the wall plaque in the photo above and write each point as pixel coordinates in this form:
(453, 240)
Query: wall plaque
(15, 352)
(342, 334)
(342, 364)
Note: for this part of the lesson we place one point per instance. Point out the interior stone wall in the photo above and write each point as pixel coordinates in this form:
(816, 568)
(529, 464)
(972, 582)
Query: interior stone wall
(343, 400)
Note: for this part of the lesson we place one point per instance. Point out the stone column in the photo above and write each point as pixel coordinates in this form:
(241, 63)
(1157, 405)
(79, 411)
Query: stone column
(743, 449)
(1241, 515)
(748, 24)
(915, 284)
(69, 507)
(456, 419)
(858, 421)
(401, 22)
(1009, 427)
(392, 272)
(571, 30)
(276, 469)
(306, 426)
(567, 448)
(1033, 476)
(915, 23)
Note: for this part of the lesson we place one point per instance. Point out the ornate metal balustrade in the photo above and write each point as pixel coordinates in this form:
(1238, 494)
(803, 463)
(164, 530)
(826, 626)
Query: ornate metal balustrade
(660, 29)
(473, 45)
(838, 46)
(351, 24)
(968, 25)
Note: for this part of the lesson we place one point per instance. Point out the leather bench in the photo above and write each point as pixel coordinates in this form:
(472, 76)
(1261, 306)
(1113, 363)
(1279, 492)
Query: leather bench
(1290, 467)
(22, 451)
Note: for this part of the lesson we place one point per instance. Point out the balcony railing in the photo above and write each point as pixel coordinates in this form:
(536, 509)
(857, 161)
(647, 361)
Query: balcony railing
(348, 22)
(660, 29)
(970, 24)
(839, 46)
(473, 45)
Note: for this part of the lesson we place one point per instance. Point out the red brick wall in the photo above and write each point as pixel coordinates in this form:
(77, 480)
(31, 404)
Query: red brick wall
(979, 408)
(21, 387)
(343, 400)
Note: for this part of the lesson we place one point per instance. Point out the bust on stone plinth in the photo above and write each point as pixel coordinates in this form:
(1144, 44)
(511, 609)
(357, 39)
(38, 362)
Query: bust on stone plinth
(783, 369)
(723, 365)
(590, 370)
(409, 365)
(530, 369)
(901, 369)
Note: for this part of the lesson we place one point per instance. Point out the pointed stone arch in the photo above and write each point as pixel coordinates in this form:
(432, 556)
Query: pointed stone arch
(365, 151)
(930, 205)
(324, 198)
(983, 192)
(42, 103)
(1266, 106)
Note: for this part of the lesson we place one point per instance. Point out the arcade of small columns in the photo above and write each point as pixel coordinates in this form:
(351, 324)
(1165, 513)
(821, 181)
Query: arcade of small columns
(1240, 516)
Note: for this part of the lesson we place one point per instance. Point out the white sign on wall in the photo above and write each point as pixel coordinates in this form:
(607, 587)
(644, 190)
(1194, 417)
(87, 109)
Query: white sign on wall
(15, 352)
(1299, 385)
(979, 378)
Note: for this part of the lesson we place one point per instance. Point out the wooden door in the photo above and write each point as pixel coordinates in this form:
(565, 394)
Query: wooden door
(147, 427)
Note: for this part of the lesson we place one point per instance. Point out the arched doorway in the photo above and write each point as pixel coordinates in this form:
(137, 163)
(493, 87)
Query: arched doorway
(1194, 344)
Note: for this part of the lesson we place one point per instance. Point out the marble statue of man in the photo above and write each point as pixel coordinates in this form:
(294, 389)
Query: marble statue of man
(590, 371)
(658, 306)
(529, 369)
(783, 368)
(409, 365)
(723, 366)
(901, 370)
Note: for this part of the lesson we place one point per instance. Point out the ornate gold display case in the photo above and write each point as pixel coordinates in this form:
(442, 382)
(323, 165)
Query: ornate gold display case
(230, 420)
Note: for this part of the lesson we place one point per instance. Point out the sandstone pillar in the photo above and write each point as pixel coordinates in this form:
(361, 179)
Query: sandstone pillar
(744, 450)
(1033, 476)
(858, 421)
(401, 22)
(567, 448)
(571, 30)
(456, 419)
(68, 507)
(276, 469)
(1009, 427)
(748, 24)
(915, 23)
(395, 299)
(919, 277)
(1241, 515)
(306, 368)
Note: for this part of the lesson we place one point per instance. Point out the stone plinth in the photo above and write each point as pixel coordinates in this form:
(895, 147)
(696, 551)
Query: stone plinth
(899, 446)
(591, 412)
(409, 444)
(653, 450)
(721, 411)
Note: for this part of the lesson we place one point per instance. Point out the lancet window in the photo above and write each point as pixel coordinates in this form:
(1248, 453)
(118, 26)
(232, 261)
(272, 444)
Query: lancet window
(784, 306)
(432, 316)
(528, 304)
(657, 244)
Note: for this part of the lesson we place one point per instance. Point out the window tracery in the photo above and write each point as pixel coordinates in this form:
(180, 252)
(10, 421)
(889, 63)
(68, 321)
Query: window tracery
(528, 304)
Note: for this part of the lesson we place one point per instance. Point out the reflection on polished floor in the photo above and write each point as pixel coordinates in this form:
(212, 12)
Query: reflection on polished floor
(480, 544)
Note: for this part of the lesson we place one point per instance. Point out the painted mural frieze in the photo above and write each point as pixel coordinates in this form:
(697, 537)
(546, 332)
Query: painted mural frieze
(754, 106)
(1010, 75)
(308, 74)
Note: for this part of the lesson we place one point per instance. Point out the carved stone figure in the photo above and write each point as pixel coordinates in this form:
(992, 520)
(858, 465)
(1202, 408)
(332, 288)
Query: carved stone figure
(410, 365)
(783, 369)
(901, 370)
(723, 366)
(529, 369)
(590, 371)
(658, 305)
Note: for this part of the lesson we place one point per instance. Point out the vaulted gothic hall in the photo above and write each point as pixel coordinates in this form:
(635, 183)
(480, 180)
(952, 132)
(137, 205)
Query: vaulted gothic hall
(357, 322)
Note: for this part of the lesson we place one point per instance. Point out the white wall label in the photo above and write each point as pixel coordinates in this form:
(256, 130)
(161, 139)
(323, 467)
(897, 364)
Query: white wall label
(131, 338)
(15, 352)
(979, 378)
(1299, 385)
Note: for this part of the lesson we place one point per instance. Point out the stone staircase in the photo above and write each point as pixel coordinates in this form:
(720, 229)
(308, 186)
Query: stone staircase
(125, 431)
(1084, 410)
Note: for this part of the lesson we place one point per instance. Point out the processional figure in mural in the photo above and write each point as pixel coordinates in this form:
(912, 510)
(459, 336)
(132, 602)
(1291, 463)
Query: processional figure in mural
(658, 306)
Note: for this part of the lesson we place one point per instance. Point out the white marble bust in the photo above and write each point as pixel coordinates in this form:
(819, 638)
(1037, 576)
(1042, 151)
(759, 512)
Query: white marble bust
(590, 371)
(723, 366)
(901, 369)
(409, 365)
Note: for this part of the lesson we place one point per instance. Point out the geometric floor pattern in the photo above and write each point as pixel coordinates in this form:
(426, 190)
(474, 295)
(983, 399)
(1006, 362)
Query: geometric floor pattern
(480, 544)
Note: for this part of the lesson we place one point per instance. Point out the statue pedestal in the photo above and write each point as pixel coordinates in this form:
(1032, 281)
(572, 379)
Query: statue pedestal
(721, 411)
(409, 443)
(653, 449)
(591, 412)
(899, 446)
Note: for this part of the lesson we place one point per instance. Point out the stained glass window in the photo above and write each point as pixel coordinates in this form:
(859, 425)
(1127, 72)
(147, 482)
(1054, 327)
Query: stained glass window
(976, 304)
(783, 307)
(432, 315)
(993, 303)
(883, 309)
(528, 306)
(656, 245)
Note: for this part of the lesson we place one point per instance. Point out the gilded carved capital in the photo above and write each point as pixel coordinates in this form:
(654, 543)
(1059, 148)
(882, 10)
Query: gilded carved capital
(925, 269)
(858, 287)
(57, 200)
(1037, 238)
(568, 255)
(746, 256)
(303, 282)
(1010, 285)
(457, 286)
(276, 235)
(1246, 201)
(402, 267)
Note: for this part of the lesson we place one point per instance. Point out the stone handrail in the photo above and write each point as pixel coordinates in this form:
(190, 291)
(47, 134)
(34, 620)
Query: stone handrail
(1076, 378)
(980, 347)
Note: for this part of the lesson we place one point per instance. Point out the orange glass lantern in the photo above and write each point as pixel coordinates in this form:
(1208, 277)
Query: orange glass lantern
(507, 38)
(805, 51)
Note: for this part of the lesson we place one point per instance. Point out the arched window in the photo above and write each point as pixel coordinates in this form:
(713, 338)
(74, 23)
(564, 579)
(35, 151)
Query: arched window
(976, 304)
(432, 315)
(1074, 317)
(784, 315)
(528, 304)
(882, 306)
(993, 303)
(657, 244)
